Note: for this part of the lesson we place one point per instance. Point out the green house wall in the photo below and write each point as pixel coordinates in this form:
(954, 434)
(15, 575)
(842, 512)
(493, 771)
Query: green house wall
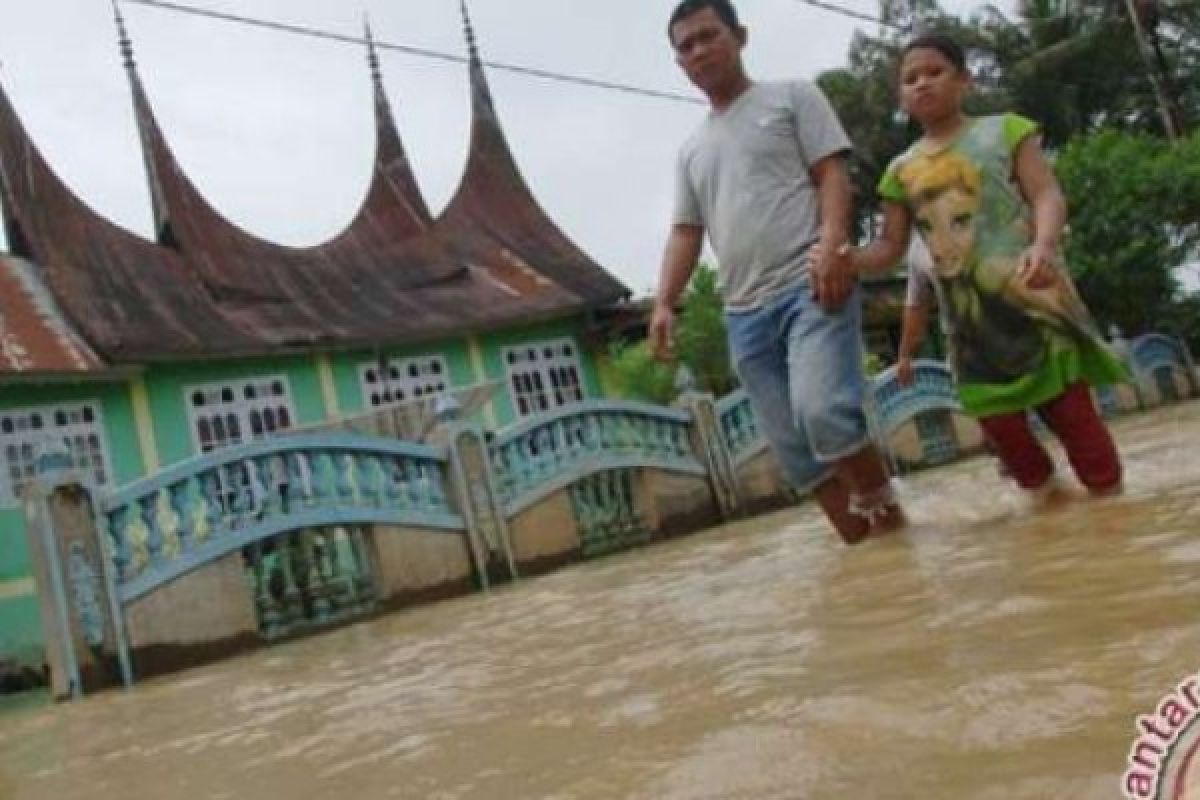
(167, 385)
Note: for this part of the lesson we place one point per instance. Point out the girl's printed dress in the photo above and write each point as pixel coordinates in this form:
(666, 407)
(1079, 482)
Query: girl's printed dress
(1012, 347)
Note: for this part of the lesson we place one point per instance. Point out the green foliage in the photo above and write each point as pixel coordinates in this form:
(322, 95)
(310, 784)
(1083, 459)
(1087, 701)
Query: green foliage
(700, 343)
(1134, 200)
(700, 338)
(639, 376)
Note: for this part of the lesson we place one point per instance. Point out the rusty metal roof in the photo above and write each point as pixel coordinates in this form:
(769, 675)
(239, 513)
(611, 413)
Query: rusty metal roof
(34, 335)
(209, 288)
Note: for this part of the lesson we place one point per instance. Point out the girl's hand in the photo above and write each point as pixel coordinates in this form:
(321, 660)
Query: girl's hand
(1037, 270)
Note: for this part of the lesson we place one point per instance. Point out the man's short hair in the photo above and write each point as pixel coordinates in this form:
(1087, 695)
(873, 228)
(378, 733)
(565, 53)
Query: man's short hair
(722, 8)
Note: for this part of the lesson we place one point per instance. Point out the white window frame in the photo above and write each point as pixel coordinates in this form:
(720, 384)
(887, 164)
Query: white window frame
(27, 439)
(241, 407)
(409, 379)
(542, 369)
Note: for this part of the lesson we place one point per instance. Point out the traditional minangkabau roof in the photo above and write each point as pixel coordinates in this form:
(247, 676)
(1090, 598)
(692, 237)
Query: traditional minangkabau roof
(208, 288)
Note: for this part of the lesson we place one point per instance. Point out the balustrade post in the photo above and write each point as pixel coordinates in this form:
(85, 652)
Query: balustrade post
(710, 445)
(73, 568)
(1120, 346)
(1189, 365)
(473, 486)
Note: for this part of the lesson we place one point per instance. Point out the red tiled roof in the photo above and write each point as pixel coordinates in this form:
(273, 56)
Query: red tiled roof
(34, 336)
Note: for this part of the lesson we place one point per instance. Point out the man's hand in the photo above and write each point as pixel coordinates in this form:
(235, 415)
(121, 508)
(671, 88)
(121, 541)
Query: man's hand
(1037, 270)
(832, 274)
(662, 332)
(904, 371)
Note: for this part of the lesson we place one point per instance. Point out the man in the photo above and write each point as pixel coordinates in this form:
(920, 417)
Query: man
(765, 177)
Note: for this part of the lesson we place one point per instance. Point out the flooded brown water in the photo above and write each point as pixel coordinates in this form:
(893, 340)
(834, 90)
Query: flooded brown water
(987, 654)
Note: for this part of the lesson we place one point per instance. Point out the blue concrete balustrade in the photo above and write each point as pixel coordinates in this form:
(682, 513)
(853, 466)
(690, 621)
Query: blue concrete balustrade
(552, 451)
(202, 509)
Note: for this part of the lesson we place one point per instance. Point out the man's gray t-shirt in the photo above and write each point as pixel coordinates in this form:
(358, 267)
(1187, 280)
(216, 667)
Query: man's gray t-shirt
(744, 176)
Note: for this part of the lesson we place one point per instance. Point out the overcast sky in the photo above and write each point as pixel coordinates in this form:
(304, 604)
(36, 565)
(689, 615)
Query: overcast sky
(276, 130)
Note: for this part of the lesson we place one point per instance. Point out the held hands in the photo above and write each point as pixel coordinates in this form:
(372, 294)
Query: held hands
(662, 332)
(1037, 270)
(833, 274)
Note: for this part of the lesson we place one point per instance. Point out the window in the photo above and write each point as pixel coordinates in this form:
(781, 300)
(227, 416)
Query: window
(543, 375)
(24, 431)
(405, 380)
(227, 414)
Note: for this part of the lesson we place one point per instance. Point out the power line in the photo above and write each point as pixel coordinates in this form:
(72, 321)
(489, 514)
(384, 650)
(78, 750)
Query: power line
(849, 12)
(534, 72)
(423, 52)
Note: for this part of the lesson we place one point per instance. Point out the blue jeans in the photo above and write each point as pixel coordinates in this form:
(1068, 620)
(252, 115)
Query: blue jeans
(803, 370)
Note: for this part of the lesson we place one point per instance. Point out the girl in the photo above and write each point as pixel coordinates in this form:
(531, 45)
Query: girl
(990, 212)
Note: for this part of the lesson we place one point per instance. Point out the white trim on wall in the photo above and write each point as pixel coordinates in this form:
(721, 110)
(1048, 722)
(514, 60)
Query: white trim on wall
(80, 425)
(543, 375)
(405, 380)
(232, 412)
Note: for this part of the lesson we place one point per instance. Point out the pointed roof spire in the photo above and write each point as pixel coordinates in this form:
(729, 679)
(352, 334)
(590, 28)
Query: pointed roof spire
(493, 212)
(469, 31)
(394, 188)
(148, 131)
(372, 54)
(123, 39)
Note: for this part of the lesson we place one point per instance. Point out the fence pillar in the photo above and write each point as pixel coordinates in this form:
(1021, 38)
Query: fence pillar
(80, 621)
(1189, 366)
(1120, 346)
(709, 444)
(474, 489)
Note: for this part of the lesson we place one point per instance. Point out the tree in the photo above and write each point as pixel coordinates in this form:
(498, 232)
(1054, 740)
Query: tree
(639, 375)
(701, 337)
(700, 343)
(1134, 202)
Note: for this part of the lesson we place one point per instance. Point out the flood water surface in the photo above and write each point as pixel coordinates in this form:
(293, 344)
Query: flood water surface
(988, 653)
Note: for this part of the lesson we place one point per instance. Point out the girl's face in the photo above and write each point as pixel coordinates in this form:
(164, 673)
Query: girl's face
(948, 225)
(931, 87)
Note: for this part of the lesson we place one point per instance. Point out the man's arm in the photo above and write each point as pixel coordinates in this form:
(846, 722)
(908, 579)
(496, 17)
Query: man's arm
(679, 261)
(832, 275)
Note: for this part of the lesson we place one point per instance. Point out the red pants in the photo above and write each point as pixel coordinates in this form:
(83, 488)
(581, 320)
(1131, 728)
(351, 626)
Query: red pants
(1073, 418)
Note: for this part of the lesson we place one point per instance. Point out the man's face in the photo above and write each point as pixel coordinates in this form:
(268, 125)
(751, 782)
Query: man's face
(708, 50)
(948, 224)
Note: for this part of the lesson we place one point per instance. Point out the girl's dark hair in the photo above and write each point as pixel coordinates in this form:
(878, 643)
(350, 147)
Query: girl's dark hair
(722, 8)
(949, 48)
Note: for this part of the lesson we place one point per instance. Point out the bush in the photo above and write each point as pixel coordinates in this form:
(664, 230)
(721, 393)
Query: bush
(700, 344)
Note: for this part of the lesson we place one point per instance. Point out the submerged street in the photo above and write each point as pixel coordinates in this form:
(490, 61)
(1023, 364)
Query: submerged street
(986, 654)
